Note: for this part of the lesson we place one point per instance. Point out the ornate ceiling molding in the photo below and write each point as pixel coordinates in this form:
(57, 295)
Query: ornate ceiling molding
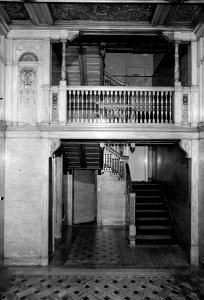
(102, 12)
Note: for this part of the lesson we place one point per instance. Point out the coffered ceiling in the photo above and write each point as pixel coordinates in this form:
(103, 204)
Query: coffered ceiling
(158, 15)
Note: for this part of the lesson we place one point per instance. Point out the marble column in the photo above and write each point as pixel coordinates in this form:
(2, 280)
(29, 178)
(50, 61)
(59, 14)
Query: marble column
(58, 220)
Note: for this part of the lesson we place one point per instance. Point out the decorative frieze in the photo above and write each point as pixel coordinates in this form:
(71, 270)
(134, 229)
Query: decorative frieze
(186, 146)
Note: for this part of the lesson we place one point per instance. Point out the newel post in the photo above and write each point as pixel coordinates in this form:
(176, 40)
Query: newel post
(132, 227)
(177, 88)
(63, 88)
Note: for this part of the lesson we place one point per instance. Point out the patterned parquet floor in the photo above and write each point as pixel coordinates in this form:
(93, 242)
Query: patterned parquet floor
(82, 260)
(108, 247)
(100, 288)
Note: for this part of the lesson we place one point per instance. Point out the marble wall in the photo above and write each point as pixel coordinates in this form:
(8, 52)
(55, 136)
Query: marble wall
(201, 200)
(113, 199)
(26, 205)
(84, 196)
(173, 172)
(2, 194)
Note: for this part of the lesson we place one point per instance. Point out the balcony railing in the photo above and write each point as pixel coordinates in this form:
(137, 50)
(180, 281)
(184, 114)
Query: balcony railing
(86, 104)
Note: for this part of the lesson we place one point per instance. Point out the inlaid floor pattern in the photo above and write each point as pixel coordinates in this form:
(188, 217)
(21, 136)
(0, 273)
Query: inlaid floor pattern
(89, 288)
(108, 248)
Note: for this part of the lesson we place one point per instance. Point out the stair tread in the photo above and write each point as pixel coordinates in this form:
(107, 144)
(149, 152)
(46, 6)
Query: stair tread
(154, 236)
(152, 218)
(152, 210)
(154, 227)
(150, 203)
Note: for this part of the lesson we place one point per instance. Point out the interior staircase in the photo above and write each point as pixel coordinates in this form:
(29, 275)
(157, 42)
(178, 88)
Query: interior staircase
(83, 65)
(153, 220)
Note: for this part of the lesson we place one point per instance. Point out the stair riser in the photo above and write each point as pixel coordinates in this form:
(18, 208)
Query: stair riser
(150, 206)
(155, 231)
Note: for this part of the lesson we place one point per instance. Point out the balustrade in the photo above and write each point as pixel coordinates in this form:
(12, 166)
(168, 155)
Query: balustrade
(119, 105)
(115, 162)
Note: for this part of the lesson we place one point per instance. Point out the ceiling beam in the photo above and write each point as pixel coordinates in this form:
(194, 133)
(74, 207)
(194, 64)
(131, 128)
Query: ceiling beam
(39, 13)
(164, 14)
(4, 21)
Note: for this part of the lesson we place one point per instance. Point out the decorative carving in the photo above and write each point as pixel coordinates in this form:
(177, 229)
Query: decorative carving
(185, 108)
(16, 11)
(187, 13)
(28, 56)
(169, 36)
(54, 145)
(72, 35)
(55, 113)
(185, 145)
(28, 77)
(28, 50)
(102, 12)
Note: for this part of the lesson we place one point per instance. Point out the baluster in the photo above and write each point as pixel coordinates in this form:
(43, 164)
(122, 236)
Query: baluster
(70, 107)
(101, 106)
(162, 107)
(77, 106)
(95, 120)
(119, 107)
(170, 107)
(165, 107)
(92, 106)
(111, 105)
(153, 108)
(145, 107)
(74, 107)
(136, 107)
(86, 105)
(106, 112)
(149, 107)
(128, 106)
(122, 106)
(157, 106)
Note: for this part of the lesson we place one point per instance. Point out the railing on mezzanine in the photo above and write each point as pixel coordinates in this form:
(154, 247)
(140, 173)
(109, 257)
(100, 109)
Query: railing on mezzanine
(108, 104)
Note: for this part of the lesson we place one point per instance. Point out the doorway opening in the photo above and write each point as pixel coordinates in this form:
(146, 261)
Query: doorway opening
(93, 221)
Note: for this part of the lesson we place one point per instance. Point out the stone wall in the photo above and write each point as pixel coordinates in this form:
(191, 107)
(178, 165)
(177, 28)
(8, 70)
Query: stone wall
(113, 199)
(2, 194)
(26, 205)
(84, 196)
(201, 201)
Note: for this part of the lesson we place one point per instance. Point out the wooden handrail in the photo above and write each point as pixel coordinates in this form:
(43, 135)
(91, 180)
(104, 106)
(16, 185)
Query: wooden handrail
(121, 88)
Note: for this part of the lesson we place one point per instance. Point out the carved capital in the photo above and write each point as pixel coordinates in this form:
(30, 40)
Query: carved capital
(168, 35)
(30, 46)
(185, 145)
(54, 145)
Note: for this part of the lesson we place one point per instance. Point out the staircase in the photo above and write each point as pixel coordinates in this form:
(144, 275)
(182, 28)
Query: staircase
(153, 220)
(83, 65)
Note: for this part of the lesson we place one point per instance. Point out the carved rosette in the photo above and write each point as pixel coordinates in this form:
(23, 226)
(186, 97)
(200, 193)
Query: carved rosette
(185, 145)
(54, 145)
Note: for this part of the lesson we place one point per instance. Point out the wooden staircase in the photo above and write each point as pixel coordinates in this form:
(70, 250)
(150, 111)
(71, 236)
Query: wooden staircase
(153, 220)
(83, 65)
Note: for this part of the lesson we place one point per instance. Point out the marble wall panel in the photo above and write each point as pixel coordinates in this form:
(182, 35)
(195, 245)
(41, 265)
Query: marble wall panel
(84, 196)
(113, 199)
(173, 172)
(201, 200)
(25, 185)
(2, 194)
